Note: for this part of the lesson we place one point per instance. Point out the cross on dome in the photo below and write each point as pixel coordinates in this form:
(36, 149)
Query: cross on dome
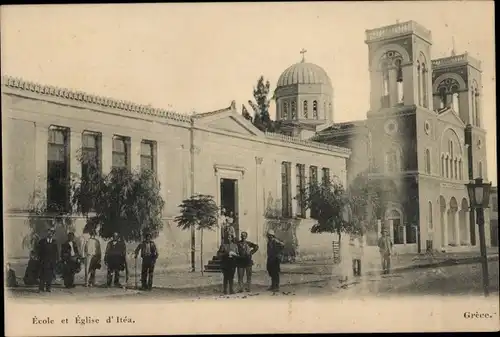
(303, 52)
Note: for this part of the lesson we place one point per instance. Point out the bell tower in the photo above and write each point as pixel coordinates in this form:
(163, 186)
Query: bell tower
(457, 84)
(399, 64)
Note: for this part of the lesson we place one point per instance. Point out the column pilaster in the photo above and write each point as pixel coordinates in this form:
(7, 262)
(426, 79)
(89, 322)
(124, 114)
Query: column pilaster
(41, 153)
(457, 227)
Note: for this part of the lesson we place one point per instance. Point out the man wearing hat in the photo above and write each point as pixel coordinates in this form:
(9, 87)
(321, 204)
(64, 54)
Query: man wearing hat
(70, 256)
(47, 252)
(385, 249)
(274, 252)
(149, 254)
(115, 259)
(246, 249)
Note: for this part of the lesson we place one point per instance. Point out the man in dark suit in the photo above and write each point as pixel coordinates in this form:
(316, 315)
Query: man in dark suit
(70, 256)
(149, 254)
(115, 259)
(274, 255)
(47, 252)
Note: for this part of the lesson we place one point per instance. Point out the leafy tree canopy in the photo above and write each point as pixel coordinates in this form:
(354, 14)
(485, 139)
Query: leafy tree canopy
(125, 202)
(199, 211)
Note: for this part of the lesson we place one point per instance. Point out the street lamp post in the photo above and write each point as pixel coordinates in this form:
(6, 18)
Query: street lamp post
(479, 196)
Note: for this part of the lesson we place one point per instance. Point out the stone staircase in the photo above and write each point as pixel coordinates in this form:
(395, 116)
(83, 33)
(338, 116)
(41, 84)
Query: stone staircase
(214, 265)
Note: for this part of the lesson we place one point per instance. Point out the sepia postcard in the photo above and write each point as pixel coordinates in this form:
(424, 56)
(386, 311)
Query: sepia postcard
(215, 168)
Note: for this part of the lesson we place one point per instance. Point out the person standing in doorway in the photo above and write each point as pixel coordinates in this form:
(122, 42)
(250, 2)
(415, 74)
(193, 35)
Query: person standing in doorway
(274, 254)
(115, 259)
(246, 249)
(93, 255)
(70, 256)
(229, 229)
(228, 253)
(385, 249)
(47, 252)
(149, 254)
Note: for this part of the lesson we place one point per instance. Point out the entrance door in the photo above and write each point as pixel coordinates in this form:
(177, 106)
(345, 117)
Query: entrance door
(229, 200)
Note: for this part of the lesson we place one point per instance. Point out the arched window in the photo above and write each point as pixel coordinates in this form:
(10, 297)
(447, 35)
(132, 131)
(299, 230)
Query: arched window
(429, 216)
(385, 98)
(294, 110)
(455, 164)
(419, 83)
(399, 79)
(476, 104)
(424, 86)
(442, 98)
(480, 169)
(460, 170)
(447, 168)
(442, 165)
(451, 148)
(285, 110)
(306, 112)
(454, 99)
(315, 109)
(427, 161)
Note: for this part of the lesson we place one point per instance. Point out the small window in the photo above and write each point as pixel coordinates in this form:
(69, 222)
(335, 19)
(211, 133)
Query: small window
(58, 169)
(315, 109)
(147, 155)
(306, 112)
(285, 110)
(121, 152)
(427, 161)
(294, 110)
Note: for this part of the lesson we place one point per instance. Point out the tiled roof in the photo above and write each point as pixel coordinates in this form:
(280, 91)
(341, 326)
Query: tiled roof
(80, 96)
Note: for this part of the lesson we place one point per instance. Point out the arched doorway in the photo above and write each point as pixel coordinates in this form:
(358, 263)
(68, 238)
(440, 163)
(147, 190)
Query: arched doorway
(397, 229)
(453, 223)
(464, 223)
(443, 219)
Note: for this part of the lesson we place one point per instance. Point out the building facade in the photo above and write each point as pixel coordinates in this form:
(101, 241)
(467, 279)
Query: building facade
(218, 153)
(423, 134)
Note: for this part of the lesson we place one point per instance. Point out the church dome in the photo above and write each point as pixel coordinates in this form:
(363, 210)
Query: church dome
(304, 73)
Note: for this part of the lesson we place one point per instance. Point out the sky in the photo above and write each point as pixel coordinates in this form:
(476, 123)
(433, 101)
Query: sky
(200, 57)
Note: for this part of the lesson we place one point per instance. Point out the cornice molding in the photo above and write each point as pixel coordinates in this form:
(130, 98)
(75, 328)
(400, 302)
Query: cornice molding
(80, 96)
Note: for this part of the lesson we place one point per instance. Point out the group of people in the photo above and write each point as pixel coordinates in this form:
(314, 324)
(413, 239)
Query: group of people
(45, 261)
(352, 253)
(238, 256)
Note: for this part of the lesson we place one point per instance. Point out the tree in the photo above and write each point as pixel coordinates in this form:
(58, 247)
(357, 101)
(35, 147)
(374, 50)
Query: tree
(122, 201)
(41, 217)
(200, 212)
(262, 119)
(327, 201)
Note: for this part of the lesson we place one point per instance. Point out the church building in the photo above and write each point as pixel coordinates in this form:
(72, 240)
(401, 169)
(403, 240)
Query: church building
(423, 134)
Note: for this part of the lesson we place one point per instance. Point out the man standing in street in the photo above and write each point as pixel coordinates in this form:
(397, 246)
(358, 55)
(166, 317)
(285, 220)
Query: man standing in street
(246, 249)
(274, 252)
(115, 259)
(228, 253)
(47, 252)
(149, 254)
(93, 256)
(70, 256)
(385, 249)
